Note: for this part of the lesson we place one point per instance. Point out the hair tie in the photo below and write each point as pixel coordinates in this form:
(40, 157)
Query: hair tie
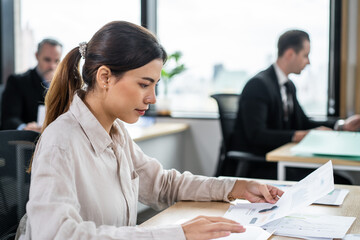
(82, 49)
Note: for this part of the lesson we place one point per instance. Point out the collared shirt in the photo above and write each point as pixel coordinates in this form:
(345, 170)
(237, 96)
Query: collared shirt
(282, 79)
(85, 183)
(45, 83)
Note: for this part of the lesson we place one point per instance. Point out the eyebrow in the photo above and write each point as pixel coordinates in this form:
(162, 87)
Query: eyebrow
(149, 79)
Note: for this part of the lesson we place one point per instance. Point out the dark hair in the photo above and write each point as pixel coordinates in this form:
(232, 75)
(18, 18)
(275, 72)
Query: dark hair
(292, 39)
(121, 46)
(50, 41)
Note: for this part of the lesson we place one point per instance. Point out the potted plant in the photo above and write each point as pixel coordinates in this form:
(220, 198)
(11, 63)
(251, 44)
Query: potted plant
(172, 67)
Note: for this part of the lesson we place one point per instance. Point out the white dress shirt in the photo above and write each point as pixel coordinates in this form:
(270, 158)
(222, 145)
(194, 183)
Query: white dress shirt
(282, 79)
(85, 183)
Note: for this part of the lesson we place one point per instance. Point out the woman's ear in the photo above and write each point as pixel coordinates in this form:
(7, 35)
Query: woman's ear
(102, 77)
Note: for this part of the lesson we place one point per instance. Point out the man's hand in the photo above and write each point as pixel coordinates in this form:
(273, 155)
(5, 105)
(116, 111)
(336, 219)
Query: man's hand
(33, 126)
(352, 123)
(299, 135)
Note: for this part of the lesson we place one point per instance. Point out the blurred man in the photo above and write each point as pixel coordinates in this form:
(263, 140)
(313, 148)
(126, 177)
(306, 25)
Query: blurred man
(269, 114)
(24, 93)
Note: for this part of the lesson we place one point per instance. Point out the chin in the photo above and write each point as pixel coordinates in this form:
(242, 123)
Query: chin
(131, 121)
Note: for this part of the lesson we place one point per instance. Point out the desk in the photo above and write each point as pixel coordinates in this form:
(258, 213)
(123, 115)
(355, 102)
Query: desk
(158, 129)
(286, 158)
(189, 210)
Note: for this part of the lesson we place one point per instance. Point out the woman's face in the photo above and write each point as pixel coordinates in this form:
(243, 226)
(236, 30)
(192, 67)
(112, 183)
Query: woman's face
(129, 97)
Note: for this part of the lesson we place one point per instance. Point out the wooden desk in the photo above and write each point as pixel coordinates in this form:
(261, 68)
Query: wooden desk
(286, 158)
(156, 130)
(189, 210)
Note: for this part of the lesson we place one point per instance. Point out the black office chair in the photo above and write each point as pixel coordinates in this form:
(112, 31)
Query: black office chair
(16, 150)
(231, 163)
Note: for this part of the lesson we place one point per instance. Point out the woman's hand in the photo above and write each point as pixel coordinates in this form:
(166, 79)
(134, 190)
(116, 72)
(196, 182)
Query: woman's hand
(203, 227)
(256, 192)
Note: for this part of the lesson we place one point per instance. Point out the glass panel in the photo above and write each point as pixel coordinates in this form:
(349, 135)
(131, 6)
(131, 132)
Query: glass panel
(224, 43)
(68, 21)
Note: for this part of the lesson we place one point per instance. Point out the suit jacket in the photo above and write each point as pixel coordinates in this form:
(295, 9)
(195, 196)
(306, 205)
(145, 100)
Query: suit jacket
(20, 100)
(259, 126)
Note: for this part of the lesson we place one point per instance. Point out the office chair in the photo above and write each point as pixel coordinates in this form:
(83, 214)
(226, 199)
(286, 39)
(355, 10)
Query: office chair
(16, 149)
(231, 163)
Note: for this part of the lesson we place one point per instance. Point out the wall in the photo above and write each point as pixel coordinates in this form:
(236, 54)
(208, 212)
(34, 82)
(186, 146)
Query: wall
(202, 144)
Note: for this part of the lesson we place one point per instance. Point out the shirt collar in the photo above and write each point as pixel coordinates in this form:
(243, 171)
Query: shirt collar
(96, 134)
(282, 78)
(45, 83)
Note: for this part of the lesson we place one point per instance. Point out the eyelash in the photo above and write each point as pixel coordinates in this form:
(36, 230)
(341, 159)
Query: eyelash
(143, 85)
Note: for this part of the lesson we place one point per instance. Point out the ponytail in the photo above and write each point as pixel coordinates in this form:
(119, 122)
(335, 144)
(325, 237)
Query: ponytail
(66, 81)
(63, 86)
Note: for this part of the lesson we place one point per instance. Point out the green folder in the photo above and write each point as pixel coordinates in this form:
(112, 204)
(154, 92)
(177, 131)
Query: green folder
(330, 143)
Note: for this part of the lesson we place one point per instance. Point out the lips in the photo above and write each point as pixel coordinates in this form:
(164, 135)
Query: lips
(141, 111)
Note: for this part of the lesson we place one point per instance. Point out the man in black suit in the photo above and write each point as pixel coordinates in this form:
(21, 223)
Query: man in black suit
(269, 113)
(24, 93)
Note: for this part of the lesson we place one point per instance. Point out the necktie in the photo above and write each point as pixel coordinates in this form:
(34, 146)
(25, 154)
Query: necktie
(289, 103)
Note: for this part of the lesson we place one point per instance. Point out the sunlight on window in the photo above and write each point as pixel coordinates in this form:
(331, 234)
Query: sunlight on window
(225, 43)
(68, 21)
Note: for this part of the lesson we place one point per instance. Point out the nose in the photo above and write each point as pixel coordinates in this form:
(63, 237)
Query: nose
(53, 65)
(151, 98)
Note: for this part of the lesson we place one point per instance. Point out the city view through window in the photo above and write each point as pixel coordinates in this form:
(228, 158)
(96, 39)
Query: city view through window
(223, 43)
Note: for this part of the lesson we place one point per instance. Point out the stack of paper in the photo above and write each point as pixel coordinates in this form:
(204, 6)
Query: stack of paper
(313, 187)
(309, 226)
(334, 143)
(334, 198)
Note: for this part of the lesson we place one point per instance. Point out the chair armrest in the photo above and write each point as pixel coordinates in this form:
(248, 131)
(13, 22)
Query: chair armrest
(245, 156)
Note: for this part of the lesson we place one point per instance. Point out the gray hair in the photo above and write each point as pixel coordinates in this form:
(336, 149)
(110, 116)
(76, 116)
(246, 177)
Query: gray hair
(50, 41)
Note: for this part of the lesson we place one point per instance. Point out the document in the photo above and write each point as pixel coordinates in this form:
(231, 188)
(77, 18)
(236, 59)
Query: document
(41, 115)
(311, 226)
(314, 186)
(252, 232)
(333, 198)
(352, 237)
(335, 143)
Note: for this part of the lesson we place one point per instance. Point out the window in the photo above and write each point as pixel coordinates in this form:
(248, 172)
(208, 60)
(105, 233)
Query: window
(68, 21)
(224, 43)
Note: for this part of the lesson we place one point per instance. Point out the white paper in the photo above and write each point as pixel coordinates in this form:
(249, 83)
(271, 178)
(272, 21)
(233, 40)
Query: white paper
(334, 198)
(311, 226)
(252, 232)
(41, 115)
(307, 238)
(352, 237)
(314, 186)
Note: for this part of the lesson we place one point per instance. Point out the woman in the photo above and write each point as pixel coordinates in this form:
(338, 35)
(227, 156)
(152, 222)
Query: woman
(87, 173)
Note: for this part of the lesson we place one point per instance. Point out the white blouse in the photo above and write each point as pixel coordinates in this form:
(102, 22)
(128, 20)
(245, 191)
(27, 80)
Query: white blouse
(85, 183)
